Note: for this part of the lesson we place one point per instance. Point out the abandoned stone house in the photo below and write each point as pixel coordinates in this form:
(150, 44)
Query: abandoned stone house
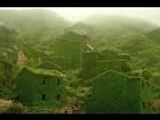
(70, 48)
(39, 85)
(112, 54)
(114, 92)
(95, 63)
(63, 62)
(80, 28)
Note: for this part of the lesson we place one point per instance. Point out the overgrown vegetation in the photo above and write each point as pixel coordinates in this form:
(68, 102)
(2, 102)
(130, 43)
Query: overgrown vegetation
(41, 39)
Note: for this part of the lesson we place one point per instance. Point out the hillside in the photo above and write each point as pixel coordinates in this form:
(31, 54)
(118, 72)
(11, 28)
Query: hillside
(155, 35)
(36, 28)
(105, 27)
(33, 19)
(85, 53)
(127, 35)
(119, 24)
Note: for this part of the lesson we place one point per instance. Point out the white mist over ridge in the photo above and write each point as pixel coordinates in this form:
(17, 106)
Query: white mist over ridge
(75, 14)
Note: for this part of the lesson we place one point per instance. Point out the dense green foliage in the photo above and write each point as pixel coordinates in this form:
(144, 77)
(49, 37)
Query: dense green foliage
(32, 20)
(109, 27)
(154, 35)
(45, 85)
(119, 100)
(70, 47)
(51, 43)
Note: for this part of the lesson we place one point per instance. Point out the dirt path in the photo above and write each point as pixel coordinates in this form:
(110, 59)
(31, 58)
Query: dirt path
(22, 59)
(5, 105)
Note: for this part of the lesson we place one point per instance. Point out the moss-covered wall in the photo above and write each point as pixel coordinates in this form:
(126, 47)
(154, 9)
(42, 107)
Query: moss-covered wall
(111, 64)
(63, 62)
(101, 66)
(114, 92)
(31, 87)
(146, 96)
(70, 46)
(69, 50)
(134, 96)
(73, 36)
(95, 63)
(114, 64)
(108, 54)
(24, 87)
(50, 89)
(89, 63)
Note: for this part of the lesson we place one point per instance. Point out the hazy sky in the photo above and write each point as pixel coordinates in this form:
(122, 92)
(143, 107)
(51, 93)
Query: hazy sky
(75, 14)
(78, 13)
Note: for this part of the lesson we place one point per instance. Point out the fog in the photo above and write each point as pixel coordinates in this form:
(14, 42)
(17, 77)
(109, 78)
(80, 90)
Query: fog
(52, 64)
(75, 14)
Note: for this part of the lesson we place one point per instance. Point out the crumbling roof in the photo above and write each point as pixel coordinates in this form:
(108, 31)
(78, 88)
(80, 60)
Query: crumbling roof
(80, 28)
(109, 51)
(113, 72)
(90, 47)
(72, 34)
(40, 71)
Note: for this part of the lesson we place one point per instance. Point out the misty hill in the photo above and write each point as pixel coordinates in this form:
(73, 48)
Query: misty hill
(80, 28)
(105, 27)
(155, 35)
(36, 28)
(114, 25)
(143, 51)
(33, 19)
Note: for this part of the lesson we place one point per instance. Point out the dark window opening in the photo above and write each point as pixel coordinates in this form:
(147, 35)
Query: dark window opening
(43, 97)
(142, 84)
(17, 99)
(149, 104)
(76, 105)
(58, 97)
(89, 95)
(44, 82)
(143, 104)
(58, 82)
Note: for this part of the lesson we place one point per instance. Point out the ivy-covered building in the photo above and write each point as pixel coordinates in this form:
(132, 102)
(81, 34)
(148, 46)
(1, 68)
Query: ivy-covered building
(69, 49)
(81, 28)
(112, 54)
(114, 92)
(95, 63)
(39, 85)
